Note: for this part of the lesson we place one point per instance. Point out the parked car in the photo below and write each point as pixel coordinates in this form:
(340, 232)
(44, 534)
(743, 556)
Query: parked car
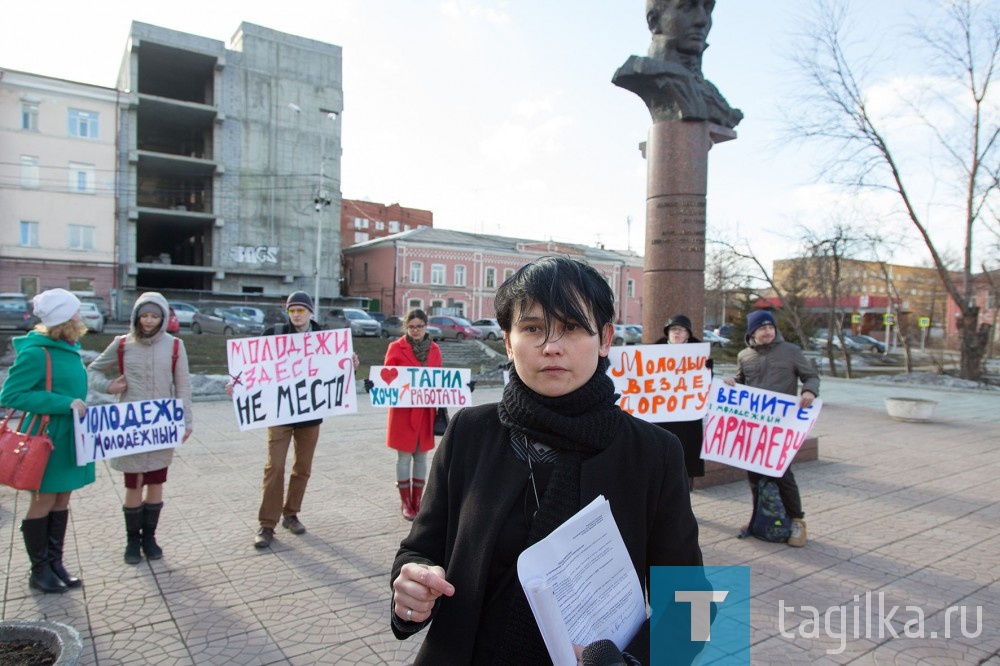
(455, 328)
(359, 321)
(92, 317)
(633, 334)
(102, 303)
(820, 337)
(490, 328)
(868, 343)
(378, 316)
(726, 331)
(435, 333)
(619, 336)
(185, 312)
(392, 327)
(249, 312)
(225, 321)
(173, 323)
(15, 311)
(714, 338)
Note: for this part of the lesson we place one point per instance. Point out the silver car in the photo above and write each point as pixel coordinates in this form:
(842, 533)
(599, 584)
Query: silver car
(490, 328)
(359, 321)
(225, 321)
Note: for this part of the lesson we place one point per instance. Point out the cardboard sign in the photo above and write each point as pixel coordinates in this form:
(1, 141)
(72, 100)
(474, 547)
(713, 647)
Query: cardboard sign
(418, 386)
(125, 428)
(755, 429)
(660, 383)
(282, 379)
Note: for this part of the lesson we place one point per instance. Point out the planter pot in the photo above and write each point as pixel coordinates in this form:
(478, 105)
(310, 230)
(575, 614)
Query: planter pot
(63, 640)
(913, 410)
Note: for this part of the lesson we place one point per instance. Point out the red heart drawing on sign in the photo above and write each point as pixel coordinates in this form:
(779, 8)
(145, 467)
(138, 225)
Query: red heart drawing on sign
(389, 375)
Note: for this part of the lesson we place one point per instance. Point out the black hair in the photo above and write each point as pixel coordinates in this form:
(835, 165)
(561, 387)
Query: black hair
(567, 290)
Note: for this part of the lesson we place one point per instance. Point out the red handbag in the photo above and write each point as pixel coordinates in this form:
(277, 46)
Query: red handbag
(23, 457)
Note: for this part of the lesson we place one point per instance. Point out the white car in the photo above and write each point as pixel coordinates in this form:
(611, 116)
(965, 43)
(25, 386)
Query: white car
(92, 317)
(714, 338)
(490, 329)
(185, 312)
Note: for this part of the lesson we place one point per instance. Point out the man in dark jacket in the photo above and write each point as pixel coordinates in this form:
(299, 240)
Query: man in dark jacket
(770, 363)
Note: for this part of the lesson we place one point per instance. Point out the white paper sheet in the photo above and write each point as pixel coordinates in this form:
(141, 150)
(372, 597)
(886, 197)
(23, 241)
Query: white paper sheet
(581, 584)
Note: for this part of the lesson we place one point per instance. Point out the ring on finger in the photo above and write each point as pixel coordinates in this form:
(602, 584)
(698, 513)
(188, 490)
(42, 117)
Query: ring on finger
(409, 615)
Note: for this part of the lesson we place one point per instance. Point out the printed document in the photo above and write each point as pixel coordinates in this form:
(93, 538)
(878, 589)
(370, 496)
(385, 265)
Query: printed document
(581, 584)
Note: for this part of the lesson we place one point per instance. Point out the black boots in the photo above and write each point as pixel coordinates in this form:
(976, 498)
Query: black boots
(36, 542)
(150, 517)
(57, 535)
(133, 534)
(140, 532)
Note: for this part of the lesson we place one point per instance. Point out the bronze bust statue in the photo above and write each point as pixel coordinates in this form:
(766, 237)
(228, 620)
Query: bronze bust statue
(669, 79)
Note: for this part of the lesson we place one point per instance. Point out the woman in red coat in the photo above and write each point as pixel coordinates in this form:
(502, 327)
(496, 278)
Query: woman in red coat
(411, 430)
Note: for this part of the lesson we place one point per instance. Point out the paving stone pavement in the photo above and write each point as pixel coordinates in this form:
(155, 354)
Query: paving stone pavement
(908, 511)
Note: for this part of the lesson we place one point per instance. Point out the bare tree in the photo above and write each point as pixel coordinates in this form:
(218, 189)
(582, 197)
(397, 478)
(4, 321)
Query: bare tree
(834, 109)
(791, 309)
(725, 278)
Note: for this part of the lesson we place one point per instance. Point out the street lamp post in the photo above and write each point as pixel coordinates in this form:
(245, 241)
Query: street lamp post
(321, 201)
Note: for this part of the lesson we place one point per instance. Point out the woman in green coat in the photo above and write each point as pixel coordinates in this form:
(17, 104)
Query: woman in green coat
(56, 338)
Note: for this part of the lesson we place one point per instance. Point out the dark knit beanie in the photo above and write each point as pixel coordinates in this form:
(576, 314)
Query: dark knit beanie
(301, 299)
(757, 319)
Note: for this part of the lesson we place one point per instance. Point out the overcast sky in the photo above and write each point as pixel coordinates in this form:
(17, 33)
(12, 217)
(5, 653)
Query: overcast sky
(500, 116)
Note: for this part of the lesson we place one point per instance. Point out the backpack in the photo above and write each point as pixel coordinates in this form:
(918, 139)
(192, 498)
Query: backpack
(121, 355)
(769, 521)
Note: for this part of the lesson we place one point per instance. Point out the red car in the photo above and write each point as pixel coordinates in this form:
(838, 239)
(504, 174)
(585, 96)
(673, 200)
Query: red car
(173, 323)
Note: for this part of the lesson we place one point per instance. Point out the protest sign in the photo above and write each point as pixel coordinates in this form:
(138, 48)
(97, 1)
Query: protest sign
(662, 382)
(125, 428)
(417, 386)
(755, 429)
(279, 379)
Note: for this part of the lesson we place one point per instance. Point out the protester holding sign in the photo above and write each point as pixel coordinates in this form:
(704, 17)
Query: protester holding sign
(677, 331)
(152, 364)
(411, 431)
(506, 475)
(274, 503)
(770, 363)
(51, 350)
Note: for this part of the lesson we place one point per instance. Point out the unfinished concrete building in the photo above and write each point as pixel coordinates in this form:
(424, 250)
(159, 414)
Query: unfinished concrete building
(229, 165)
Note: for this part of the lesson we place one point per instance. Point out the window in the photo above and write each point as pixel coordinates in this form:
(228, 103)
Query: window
(417, 272)
(436, 305)
(459, 276)
(360, 223)
(81, 178)
(379, 225)
(360, 236)
(81, 237)
(29, 234)
(393, 227)
(29, 171)
(29, 286)
(491, 278)
(29, 116)
(507, 272)
(366, 273)
(415, 303)
(630, 288)
(83, 124)
(406, 227)
(81, 284)
(437, 273)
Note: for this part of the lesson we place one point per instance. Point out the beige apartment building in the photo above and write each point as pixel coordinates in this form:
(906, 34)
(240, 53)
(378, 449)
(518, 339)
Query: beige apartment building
(57, 184)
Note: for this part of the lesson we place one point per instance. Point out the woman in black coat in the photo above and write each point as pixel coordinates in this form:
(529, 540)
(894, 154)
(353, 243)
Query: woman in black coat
(678, 331)
(507, 474)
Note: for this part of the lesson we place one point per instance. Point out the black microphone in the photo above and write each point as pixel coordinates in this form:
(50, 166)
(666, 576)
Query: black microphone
(602, 653)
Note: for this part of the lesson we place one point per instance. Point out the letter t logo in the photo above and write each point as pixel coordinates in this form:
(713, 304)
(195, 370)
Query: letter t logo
(701, 610)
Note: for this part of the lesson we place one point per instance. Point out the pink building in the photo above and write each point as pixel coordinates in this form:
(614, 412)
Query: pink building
(454, 272)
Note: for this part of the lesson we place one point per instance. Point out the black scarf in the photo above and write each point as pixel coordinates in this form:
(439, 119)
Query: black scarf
(579, 425)
(421, 347)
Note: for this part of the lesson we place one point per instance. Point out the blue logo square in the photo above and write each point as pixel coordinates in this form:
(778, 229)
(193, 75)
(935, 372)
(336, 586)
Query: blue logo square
(699, 615)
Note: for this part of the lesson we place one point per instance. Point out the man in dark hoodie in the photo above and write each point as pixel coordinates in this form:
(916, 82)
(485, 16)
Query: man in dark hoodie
(770, 363)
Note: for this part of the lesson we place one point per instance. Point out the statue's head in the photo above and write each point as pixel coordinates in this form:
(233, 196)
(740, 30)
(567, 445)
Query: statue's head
(679, 25)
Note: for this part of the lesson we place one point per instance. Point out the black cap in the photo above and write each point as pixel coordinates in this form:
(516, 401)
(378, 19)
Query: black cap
(300, 298)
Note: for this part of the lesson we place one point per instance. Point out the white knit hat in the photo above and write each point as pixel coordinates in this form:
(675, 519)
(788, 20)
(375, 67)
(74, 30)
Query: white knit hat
(55, 306)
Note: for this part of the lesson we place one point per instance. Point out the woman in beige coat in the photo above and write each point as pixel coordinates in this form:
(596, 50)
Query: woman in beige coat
(154, 365)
